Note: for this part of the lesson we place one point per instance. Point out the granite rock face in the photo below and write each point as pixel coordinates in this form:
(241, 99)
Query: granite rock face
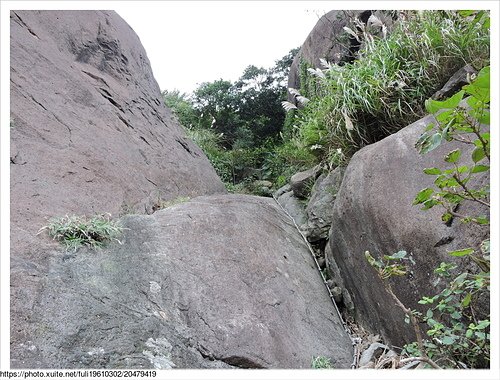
(294, 207)
(88, 120)
(374, 212)
(302, 183)
(319, 207)
(89, 134)
(216, 282)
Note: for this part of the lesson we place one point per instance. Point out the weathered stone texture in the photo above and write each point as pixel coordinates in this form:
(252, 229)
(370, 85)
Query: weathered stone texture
(217, 282)
(374, 212)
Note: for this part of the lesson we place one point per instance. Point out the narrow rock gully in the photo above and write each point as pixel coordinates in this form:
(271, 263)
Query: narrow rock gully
(356, 340)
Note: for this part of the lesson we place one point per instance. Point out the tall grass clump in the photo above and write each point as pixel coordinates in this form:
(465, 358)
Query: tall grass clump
(76, 231)
(385, 88)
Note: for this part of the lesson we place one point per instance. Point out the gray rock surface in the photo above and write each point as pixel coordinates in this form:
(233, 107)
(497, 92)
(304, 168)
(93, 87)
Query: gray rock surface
(320, 205)
(282, 190)
(262, 188)
(373, 212)
(302, 182)
(216, 282)
(89, 121)
(89, 134)
(455, 83)
(337, 281)
(294, 207)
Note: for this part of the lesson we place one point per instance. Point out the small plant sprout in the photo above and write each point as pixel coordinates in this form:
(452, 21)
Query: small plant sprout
(77, 231)
(321, 362)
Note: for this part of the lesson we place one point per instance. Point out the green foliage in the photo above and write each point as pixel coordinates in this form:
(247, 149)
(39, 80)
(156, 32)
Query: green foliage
(321, 362)
(463, 121)
(383, 90)
(182, 107)
(216, 104)
(309, 86)
(77, 231)
(238, 126)
(466, 124)
(247, 112)
(390, 265)
(281, 68)
(455, 336)
(211, 144)
(284, 160)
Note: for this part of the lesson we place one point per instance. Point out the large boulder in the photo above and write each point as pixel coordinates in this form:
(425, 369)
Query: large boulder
(89, 122)
(461, 78)
(319, 207)
(89, 134)
(373, 212)
(217, 282)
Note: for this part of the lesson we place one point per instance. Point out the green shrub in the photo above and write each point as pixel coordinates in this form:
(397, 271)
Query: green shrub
(212, 145)
(458, 332)
(181, 106)
(456, 338)
(76, 231)
(237, 125)
(284, 160)
(455, 122)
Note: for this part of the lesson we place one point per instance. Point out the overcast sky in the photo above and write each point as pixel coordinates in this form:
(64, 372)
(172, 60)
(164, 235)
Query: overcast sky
(193, 42)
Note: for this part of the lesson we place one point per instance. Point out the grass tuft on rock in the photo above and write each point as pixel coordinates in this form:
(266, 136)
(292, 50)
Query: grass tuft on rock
(77, 231)
(385, 88)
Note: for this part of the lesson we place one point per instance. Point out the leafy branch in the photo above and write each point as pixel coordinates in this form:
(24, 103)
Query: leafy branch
(457, 338)
(455, 122)
(386, 269)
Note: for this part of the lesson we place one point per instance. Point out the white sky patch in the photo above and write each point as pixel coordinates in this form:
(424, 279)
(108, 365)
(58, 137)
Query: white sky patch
(193, 42)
